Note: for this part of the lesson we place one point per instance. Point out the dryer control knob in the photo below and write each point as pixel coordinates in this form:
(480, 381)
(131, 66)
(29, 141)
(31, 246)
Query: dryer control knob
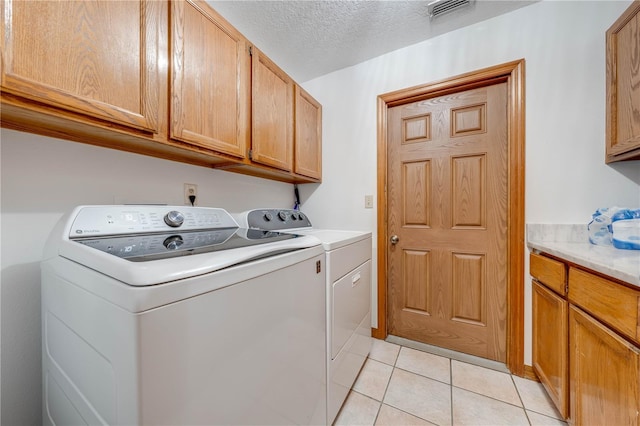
(174, 219)
(268, 217)
(282, 215)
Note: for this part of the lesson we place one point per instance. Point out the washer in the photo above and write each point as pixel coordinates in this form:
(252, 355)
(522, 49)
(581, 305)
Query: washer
(175, 315)
(348, 258)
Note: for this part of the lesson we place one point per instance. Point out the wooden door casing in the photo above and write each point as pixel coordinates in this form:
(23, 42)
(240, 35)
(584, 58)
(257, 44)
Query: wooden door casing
(513, 73)
(61, 54)
(210, 81)
(447, 192)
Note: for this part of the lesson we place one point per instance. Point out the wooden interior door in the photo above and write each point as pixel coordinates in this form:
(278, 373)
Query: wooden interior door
(447, 218)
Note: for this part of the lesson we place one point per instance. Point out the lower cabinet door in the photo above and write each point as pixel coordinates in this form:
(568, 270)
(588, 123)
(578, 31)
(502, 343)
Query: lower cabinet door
(603, 373)
(550, 344)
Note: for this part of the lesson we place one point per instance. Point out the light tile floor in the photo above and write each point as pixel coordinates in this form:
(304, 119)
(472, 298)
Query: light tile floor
(403, 386)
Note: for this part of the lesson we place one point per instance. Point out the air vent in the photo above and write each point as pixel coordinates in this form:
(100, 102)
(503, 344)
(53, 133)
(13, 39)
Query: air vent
(440, 7)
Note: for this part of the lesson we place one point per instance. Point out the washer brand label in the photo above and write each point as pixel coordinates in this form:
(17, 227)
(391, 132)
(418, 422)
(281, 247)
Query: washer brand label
(87, 231)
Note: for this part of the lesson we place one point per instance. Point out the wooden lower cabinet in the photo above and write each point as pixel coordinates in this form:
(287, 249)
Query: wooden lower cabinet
(550, 343)
(603, 374)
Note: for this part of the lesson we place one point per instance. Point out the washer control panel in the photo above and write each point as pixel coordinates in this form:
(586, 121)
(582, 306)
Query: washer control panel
(95, 221)
(276, 219)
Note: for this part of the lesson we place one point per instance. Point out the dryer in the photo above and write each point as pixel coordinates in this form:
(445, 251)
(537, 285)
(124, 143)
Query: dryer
(348, 295)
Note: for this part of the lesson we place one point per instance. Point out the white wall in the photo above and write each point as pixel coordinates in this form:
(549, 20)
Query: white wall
(41, 179)
(566, 178)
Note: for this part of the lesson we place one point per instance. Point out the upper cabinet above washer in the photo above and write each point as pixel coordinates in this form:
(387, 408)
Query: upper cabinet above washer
(623, 86)
(272, 113)
(85, 57)
(210, 81)
(171, 79)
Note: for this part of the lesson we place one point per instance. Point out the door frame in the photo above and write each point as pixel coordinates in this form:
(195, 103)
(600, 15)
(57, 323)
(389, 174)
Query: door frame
(513, 74)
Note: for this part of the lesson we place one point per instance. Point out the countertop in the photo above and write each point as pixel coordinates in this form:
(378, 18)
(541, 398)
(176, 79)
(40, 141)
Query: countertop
(571, 243)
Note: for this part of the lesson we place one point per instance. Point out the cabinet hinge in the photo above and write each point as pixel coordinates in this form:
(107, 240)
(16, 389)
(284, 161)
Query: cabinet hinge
(250, 50)
(250, 154)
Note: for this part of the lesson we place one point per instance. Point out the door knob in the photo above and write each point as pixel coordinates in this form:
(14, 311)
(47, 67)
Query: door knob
(394, 239)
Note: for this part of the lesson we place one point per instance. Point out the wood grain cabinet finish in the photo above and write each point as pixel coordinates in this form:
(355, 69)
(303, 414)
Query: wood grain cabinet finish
(168, 79)
(308, 135)
(95, 58)
(550, 328)
(210, 80)
(550, 344)
(614, 304)
(623, 86)
(604, 374)
(272, 113)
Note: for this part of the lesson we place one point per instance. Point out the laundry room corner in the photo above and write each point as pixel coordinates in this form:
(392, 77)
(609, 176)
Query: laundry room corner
(43, 178)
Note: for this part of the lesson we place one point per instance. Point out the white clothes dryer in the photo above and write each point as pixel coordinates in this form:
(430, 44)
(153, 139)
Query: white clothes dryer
(348, 258)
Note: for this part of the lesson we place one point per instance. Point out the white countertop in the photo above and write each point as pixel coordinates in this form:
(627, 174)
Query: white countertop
(570, 242)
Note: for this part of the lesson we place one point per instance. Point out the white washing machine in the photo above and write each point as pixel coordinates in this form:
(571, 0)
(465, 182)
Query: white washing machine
(348, 258)
(174, 315)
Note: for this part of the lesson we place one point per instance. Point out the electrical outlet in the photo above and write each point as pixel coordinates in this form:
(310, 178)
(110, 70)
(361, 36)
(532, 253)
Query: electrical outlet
(368, 201)
(190, 189)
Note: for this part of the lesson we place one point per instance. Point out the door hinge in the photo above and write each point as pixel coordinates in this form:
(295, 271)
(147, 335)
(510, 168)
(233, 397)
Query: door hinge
(250, 50)
(318, 267)
(250, 154)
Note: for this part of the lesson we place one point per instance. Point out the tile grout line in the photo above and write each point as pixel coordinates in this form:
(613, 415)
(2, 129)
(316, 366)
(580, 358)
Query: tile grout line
(451, 388)
(520, 397)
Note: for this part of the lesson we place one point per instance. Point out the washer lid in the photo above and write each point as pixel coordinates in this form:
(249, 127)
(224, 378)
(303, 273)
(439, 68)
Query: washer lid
(158, 268)
(148, 247)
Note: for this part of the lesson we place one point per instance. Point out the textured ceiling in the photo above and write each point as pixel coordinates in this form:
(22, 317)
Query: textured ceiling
(310, 38)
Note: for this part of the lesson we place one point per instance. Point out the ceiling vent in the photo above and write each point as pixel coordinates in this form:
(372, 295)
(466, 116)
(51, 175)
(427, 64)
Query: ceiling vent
(440, 7)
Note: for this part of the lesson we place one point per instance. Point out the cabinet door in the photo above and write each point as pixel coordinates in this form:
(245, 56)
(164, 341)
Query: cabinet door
(550, 344)
(623, 88)
(209, 81)
(272, 113)
(96, 58)
(308, 135)
(603, 373)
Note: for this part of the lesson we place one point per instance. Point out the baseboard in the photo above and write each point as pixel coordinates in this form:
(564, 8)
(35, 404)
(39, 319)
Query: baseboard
(530, 374)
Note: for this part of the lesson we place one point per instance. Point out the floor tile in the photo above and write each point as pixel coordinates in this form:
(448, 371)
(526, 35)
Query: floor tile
(535, 398)
(539, 420)
(358, 410)
(373, 379)
(384, 351)
(484, 381)
(420, 396)
(389, 416)
(472, 409)
(426, 364)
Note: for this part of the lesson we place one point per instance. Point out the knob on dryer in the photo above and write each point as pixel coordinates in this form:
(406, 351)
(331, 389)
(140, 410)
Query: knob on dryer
(282, 215)
(174, 219)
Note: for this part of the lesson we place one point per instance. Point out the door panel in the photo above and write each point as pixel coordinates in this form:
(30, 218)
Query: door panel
(447, 203)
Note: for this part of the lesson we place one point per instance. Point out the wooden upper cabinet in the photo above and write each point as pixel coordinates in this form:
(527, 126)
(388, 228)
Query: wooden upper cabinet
(210, 80)
(308, 135)
(94, 58)
(272, 114)
(623, 86)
